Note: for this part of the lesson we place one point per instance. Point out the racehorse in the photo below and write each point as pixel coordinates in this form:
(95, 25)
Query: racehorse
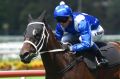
(60, 64)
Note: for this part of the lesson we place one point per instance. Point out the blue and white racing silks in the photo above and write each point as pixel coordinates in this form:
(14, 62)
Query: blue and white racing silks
(81, 24)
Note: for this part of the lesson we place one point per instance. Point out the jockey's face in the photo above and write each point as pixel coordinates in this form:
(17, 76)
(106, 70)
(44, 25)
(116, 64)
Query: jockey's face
(64, 21)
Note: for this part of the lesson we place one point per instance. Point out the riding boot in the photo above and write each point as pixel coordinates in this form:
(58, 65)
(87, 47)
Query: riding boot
(100, 59)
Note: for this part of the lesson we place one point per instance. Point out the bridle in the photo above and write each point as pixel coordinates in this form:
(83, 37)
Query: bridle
(42, 41)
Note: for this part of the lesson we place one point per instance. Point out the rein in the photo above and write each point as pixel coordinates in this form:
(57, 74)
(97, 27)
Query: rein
(54, 50)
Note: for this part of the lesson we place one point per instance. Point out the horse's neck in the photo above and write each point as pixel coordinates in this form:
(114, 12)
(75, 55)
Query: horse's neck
(54, 62)
(53, 43)
(48, 57)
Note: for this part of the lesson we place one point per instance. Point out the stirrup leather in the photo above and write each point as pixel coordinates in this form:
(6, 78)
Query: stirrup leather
(97, 61)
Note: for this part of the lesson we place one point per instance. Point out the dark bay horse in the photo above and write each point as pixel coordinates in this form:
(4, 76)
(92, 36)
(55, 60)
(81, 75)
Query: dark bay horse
(58, 63)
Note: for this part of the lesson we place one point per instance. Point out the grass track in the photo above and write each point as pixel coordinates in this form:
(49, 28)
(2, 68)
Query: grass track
(25, 77)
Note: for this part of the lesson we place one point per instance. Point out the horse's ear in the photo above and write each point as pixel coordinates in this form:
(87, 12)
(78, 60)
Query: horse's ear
(42, 16)
(30, 18)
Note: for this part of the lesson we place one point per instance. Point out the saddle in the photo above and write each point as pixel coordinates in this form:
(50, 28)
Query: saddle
(109, 51)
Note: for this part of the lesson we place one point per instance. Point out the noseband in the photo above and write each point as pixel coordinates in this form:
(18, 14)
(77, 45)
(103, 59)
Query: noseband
(42, 40)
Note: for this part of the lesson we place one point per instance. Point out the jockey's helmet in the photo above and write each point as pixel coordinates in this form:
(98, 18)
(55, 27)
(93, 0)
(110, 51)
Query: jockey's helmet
(62, 10)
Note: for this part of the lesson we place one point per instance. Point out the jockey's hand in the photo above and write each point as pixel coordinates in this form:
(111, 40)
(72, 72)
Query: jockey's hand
(66, 46)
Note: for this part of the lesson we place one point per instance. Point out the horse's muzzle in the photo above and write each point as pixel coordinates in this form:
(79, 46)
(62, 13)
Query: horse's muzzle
(27, 57)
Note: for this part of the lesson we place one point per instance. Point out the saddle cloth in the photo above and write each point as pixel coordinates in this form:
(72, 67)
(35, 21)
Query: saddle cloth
(109, 51)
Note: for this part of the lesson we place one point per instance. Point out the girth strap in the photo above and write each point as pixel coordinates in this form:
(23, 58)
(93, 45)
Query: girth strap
(71, 65)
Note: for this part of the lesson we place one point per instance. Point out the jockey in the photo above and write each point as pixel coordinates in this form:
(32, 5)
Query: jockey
(80, 29)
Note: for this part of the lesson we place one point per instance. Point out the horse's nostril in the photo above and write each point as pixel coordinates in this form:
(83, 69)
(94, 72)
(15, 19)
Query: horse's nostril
(26, 53)
(23, 56)
(27, 57)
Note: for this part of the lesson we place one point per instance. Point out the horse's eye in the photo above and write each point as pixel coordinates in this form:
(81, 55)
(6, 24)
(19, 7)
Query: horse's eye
(34, 32)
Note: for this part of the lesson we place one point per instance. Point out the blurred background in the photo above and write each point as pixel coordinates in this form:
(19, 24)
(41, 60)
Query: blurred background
(14, 19)
(14, 13)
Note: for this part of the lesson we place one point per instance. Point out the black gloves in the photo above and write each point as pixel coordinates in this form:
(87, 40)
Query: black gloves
(66, 46)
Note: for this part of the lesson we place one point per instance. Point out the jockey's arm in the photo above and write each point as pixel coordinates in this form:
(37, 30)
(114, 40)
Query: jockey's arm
(86, 40)
(58, 32)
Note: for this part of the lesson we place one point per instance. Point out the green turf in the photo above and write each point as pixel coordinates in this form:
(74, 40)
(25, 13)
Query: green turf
(25, 78)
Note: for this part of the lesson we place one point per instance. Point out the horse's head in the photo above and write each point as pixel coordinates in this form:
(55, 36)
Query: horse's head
(34, 39)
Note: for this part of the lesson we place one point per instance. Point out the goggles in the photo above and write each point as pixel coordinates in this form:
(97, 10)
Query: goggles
(62, 19)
